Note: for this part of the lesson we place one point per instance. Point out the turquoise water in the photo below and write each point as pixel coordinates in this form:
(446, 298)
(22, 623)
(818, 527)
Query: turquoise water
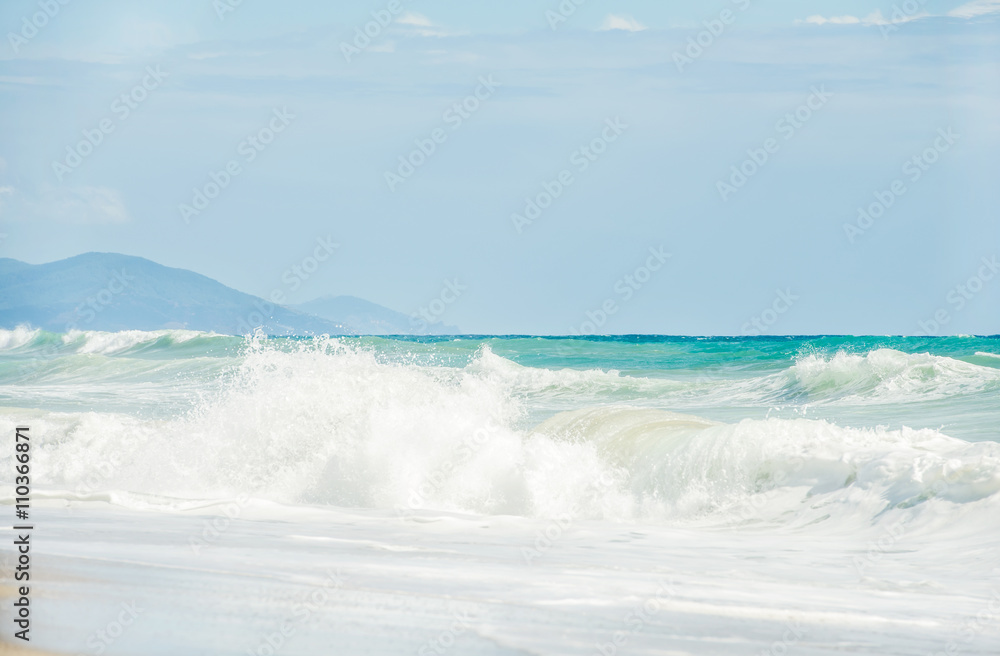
(947, 383)
(679, 429)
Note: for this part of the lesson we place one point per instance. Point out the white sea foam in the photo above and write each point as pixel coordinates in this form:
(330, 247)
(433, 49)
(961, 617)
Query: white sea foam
(18, 337)
(334, 424)
(885, 375)
(547, 506)
(109, 343)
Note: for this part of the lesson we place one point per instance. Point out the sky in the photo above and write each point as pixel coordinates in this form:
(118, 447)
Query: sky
(729, 167)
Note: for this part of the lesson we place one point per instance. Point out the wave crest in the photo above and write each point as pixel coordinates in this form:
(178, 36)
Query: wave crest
(885, 375)
(330, 422)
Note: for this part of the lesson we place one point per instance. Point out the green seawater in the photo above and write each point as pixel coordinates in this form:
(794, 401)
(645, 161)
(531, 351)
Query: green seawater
(947, 383)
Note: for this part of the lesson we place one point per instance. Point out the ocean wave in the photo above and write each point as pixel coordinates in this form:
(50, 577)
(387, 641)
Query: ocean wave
(329, 422)
(881, 375)
(877, 376)
(780, 470)
(33, 341)
(570, 383)
(23, 336)
(127, 340)
(885, 375)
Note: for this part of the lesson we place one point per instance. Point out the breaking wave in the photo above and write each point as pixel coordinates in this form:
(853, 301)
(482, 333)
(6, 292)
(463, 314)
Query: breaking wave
(334, 422)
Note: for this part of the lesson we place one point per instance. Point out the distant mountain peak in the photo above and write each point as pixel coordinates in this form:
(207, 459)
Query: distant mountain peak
(112, 291)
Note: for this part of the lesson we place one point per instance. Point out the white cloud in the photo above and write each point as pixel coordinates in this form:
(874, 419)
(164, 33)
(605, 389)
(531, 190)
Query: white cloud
(81, 205)
(417, 20)
(833, 20)
(976, 8)
(968, 10)
(75, 205)
(627, 23)
(89, 205)
(198, 56)
(452, 57)
(32, 80)
(5, 191)
(899, 19)
(874, 18)
(422, 26)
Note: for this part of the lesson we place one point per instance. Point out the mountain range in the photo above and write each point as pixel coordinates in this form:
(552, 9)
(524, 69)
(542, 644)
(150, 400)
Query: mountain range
(112, 292)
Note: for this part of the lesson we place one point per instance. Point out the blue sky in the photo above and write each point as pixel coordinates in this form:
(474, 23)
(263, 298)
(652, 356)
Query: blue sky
(649, 128)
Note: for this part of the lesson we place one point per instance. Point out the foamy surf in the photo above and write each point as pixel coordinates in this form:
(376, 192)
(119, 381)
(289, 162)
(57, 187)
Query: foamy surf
(742, 496)
(334, 422)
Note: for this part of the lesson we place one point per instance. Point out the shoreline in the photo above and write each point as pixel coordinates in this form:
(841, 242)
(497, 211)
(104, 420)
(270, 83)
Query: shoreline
(374, 583)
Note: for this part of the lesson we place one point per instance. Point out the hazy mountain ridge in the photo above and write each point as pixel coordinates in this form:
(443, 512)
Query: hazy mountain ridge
(110, 292)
